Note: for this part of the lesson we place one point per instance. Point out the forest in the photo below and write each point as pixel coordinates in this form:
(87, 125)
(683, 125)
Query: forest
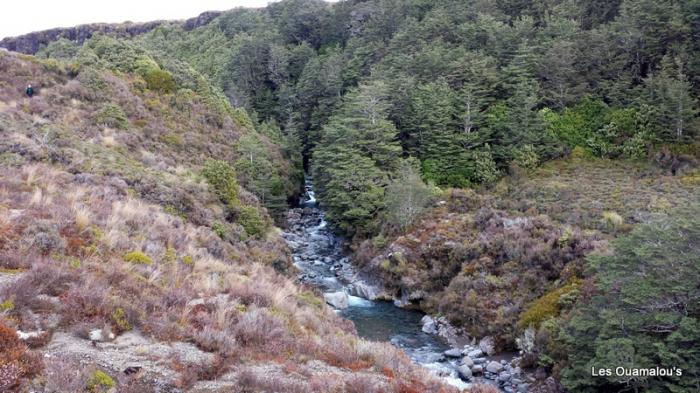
(528, 169)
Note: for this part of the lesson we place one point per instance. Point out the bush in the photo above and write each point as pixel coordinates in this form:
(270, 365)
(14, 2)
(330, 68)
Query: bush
(111, 115)
(222, 177)
(99, 382)
(612, 221)
(252, 221)
(526, 157)
(159, 80)
(16, 362)
(548, 306)
(485, 170)
(219, 228)
(137, 257)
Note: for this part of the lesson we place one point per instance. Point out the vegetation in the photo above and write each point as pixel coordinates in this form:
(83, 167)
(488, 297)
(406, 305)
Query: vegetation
(645, 319)
(112, 115)
(481, 156)
(222, 178)
(98, 217)
(100, 382)
(471, 90)
(16, 362)
(138, 257)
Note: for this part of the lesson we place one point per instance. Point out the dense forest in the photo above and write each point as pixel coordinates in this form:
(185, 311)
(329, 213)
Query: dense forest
(468, 88)
(506, 164)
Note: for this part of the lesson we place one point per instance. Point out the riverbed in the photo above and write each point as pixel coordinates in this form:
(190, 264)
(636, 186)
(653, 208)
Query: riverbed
(319, 255)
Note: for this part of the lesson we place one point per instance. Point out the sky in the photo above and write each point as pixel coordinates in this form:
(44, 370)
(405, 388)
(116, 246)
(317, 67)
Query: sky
(24, 16)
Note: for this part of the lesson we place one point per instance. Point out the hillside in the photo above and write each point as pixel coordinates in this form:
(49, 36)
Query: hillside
(526, 173)
(112, 225)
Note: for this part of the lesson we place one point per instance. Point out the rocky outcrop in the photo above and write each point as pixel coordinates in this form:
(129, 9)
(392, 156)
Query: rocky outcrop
(32, 42)
(202, 20)
(338, 299)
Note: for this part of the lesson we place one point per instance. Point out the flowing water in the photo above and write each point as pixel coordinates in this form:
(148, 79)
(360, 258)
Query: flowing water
(318, 254)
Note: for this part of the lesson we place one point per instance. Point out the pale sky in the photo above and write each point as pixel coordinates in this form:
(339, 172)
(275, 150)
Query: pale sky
(24, 16)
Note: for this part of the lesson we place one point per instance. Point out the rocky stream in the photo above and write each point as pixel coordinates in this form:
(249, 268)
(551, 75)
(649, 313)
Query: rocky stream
(322, 262)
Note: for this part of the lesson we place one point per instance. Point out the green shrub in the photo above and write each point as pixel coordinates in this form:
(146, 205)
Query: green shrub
(638, 145)
(120, 321)
(7, 305)
(138, 257)
(188, 260)
(549, 305)
(222, 177)
(485, 170)
(526, 157)
(172, 139)
(99, 381)
(111, 115)
(219, 228)
(159, 80)
(612, 221)
(252, 221)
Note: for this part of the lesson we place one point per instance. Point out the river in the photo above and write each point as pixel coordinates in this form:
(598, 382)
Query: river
(319, 255)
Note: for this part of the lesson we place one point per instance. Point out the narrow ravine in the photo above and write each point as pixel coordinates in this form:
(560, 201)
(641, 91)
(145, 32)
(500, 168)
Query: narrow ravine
(318, 254)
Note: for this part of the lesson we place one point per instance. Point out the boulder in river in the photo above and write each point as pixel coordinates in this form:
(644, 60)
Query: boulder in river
(475, 353)
(487, 345)
(464, 372)
(467, 361)
(453, 353)
(429, 325)
(338, 299)
(494, 367)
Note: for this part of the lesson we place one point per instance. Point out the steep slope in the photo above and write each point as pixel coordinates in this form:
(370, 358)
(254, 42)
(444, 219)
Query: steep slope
(132, 257)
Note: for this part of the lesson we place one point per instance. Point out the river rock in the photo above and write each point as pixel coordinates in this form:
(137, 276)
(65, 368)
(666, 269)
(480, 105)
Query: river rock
(475, 353)
(504, 376)
(464, 372)
(429, 328)
(494, 367)
(338, 299)
(467, 361)
(479, 360)
(477, 369)
(363, 290)
(523, 388)
(453, 353)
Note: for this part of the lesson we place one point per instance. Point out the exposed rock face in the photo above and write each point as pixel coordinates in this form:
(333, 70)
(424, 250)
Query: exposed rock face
(487, 345)
(202, 20)
(32, 42)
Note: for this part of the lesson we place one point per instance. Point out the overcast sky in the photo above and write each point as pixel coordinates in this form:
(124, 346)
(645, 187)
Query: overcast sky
(24, 16)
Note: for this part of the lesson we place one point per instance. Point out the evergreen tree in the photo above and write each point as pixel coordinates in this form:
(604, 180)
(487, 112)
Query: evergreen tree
(358, 151)
(669, 93)
(406, 196)
(646, 313)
